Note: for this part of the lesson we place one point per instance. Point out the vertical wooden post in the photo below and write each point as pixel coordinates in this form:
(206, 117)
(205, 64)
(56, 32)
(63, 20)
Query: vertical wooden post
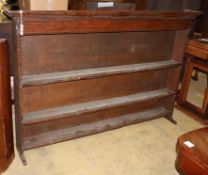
(177, 55)
(6, 135)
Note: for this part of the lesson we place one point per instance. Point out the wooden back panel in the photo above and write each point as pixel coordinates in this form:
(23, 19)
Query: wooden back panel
(56, 53)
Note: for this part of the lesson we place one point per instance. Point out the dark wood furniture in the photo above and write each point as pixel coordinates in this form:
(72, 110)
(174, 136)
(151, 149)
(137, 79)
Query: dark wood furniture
(196, 58)
(140, 4)
(202, 22)
(7, 33)
(193, 160)
(6, 135)
(86, 72)
(173, 4)
(137, 4)
(101, 5)
(115, 4)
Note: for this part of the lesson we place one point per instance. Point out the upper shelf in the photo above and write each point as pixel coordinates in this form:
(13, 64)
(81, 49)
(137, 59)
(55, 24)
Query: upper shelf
(41, 79)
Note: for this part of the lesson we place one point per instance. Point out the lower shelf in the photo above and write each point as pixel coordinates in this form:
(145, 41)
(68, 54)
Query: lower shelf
(90, 107)
(92, 128)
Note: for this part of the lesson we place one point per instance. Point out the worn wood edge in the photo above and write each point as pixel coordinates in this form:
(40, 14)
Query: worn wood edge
(200, 52)
(110, 20)
(93, 128)
(94, 106)
(48, 78)
(188, 14)
(198, 44)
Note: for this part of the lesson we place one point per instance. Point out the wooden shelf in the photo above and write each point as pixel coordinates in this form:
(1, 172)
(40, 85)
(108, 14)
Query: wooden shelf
(87, 72)
(92, 128)
(41, 79)
(89, 107)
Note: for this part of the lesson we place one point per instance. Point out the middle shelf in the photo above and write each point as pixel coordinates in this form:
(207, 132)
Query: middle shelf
(48, 78)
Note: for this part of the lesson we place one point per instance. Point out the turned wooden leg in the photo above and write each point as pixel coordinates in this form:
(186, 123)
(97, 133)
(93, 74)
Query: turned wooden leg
(205, 101)
(195, 77)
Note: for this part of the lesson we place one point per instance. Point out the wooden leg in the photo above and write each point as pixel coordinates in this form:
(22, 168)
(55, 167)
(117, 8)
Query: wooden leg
(186, 81)
(171, 119)
(22, 157)
(205, 102)
(195, 77)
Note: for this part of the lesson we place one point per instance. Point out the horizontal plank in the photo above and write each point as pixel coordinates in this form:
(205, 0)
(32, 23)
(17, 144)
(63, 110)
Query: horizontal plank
(92, 128)
(99, 21)
(109, 13)
(89, 107)
(87, 25)
(41, 79)
(197, 52)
